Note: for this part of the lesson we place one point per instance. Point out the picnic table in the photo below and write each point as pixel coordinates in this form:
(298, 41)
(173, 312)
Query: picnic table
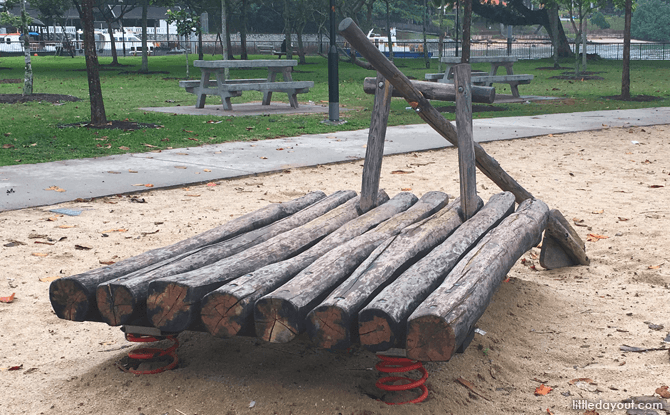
(485, 78)
(227, 88)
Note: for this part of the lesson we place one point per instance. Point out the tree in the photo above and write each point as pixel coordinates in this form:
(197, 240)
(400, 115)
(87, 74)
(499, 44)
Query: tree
(516, 13)
(106, 9)
(52, 12)
(188, 22)
(581, 8)
(651, 21)
(625, 70)
(23, 21)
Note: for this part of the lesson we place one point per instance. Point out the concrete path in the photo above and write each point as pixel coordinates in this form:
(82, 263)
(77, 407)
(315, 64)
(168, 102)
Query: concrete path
(24, 185)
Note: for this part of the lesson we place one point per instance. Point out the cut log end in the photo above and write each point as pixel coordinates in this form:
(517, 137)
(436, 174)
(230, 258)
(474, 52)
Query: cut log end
(273, 317)
(327, 327)
(69, 300)
(429, 338)
(375, 332)
(166, 308)
(221, 315)
(115, 304)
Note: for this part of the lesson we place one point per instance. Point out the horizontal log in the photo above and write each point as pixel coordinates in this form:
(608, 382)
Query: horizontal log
(441, 323)
(279, 316)
(229, 309)
(73, 298)
(333, 324)
(439, 91)
(562, 246)
(382, 322)
(173, 303)
(124, 298)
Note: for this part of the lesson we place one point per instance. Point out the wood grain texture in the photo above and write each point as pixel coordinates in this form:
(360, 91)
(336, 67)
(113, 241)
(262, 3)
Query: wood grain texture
(384, 319)
(81, 287)
(333, 323)
(124, 298)
(374, 152)
(466, 148)
(279, 316)
(229, 309)
(565, 247)
(181, 308)
(439, 91)
(440, 324)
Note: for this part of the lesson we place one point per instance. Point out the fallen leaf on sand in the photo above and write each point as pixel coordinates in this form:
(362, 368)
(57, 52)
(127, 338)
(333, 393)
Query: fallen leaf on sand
(656, 186)
(592, 237)
(81, 248)
(623, 219)
(193, 195)
(472, 387)
(207, 170)
(49, 279)
(40, 254)
(401, 172)
(598, 212)
(115, 230)
(406, 189)
(654, 267)
(542, 390)
(264, 158)
(663, 392)
(16, 367)
(65, 226)
(106, 262)
(211, 184)
(13, 243)
(7, 300)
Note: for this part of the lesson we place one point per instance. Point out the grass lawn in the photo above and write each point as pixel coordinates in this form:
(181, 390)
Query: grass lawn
(33, 134)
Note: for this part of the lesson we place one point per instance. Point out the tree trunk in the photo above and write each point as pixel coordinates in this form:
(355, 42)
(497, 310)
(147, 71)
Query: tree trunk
(426, 59)
(301, 48)
(115, 58)
(625, 72)
(440, 46)
(584, 23)
(98, 116)
(388, 31)
(287, 29)
(145, 50)
(243, 29)
(200, 52)
(28, 73)
(554, 22)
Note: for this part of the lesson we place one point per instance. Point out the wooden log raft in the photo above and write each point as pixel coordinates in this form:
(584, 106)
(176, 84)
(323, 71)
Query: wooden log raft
(229, 309)
(439, 91)
(562, 246)
(73, 298)
(280, 316)
(173, 303)
(485, 163)
(123, 299)
(443, 321)
(333, 324)
(382, 322)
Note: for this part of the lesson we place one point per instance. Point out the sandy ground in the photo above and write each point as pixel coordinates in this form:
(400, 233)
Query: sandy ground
(542, 327)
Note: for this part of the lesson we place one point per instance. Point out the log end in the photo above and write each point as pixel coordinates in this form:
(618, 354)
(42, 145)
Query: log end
(166, 308)
(69, 299)
(344, 24)
(375, 330)
(276, 320)
(116, 304)
(429, 338)
(221, 314)
(327, 327)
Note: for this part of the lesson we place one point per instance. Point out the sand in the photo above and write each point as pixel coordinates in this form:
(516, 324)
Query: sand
(542, 327)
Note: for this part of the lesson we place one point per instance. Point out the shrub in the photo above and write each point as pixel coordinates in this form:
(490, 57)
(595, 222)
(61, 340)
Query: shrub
(651, 20)
(598, 19)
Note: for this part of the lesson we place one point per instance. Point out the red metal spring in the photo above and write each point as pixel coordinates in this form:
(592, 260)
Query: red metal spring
(401, 365)
(149, 353)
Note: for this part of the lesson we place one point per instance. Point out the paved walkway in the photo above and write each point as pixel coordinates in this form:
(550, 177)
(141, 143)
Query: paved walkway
(23, 186)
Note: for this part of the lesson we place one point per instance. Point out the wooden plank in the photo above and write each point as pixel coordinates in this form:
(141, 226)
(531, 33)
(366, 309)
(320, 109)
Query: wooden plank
(73, 298)
(485, 163)
(438, 91)
(466, 147)
(228, 310)
(374, 152)
(279, 316)
(173, 303)
(121, 299)
(437, 328)
(564, 237)
(333, 323)
(384, 319)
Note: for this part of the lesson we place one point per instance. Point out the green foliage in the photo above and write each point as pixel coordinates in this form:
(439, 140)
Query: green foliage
(8, 19)
(651, 21)
(187, 21)
(599, 20)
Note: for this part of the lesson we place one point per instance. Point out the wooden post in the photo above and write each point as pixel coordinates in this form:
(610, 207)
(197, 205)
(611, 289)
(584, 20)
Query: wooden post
(438, 91)
(375, 150)
(466, 148)
(73, 298)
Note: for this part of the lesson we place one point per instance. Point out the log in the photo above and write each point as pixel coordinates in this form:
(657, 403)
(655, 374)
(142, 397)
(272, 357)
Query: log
(173, 303)
(437, 328)
(333, 324)
(485, 163)
(229, 309)
(374, 152)
(562, 246)
(384, 319)
(73, 298)
(280, 315)
(124, 298)
(439, 91)
(466, 149)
